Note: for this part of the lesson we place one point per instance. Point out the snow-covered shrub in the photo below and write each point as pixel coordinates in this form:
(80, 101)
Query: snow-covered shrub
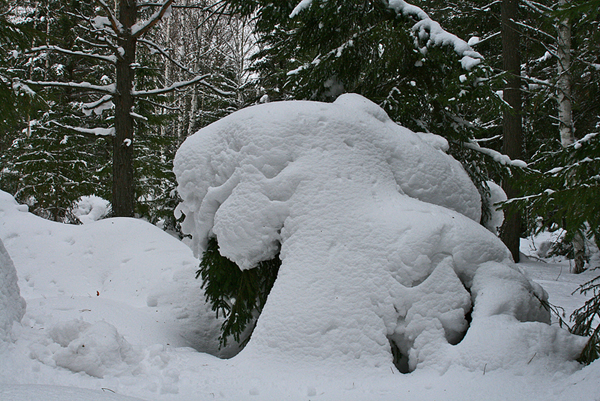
(378, 233)
(12, 305)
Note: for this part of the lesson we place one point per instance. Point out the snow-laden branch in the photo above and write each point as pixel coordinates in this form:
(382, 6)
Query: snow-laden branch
(534, 29)
(200, 79)
(111, 19)
(304, 4)
(337, 52)
(110, 59)
(142, 27)
(110, 89)
(426, 29)
(90, 131)
(104, 103)
(538, 7)
(435, 34)
(497, 156)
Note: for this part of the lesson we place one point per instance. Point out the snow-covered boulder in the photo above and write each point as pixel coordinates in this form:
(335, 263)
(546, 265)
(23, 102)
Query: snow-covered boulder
(12, 305)
(380, 243)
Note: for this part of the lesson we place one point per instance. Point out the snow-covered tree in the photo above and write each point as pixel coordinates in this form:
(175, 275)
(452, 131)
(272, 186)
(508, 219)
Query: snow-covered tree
(395, 54)
(112, 34)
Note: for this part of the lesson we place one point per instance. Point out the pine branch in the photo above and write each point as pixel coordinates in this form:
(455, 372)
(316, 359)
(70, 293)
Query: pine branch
(109, 59)
(100, 131)
(141, 28)
(114, 22)
(178, 85)
(110, 89)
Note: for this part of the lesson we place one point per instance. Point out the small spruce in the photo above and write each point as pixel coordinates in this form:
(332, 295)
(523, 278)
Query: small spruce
(238, 295)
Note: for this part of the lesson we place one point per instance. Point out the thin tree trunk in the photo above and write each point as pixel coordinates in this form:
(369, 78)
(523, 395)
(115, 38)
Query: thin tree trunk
(512, 121)
(123, 191)
(565, 116)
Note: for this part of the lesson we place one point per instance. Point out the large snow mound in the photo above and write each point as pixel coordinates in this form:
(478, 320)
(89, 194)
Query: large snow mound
(380, 243)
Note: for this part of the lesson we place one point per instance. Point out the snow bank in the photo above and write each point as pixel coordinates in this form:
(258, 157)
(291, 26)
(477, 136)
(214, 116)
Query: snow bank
(125, 272)
(12, 305)
(380, 243)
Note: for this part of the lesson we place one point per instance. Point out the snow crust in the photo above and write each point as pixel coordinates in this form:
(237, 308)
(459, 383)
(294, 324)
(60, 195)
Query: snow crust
(379, 239)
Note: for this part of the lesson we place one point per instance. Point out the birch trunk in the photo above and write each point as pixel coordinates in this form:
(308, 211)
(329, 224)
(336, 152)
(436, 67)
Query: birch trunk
(565, 115)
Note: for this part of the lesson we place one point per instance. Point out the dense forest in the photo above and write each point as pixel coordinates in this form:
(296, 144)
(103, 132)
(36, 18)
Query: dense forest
(96, 98)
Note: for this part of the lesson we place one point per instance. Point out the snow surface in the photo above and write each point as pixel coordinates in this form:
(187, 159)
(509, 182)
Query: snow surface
(157, 367)
(12, 305)
(113, 308)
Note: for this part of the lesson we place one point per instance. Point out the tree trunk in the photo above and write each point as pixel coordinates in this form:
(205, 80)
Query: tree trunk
(512, 122)
(565, 116)
(123, 191)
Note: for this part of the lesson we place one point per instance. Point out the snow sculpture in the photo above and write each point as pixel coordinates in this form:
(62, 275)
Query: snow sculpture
(12, 305)
(380, 243)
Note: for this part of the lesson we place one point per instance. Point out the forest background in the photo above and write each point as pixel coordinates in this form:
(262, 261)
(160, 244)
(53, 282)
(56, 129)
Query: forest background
(96, 98)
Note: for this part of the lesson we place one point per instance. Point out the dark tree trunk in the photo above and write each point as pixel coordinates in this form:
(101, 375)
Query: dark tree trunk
(512, 122)
(123, 190)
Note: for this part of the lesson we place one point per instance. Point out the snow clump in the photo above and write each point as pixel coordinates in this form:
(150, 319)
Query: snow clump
(95, 349)
(382, 255)
(91, 208)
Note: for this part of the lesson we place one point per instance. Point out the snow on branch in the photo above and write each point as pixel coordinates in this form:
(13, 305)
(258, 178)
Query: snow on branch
(304, 4)
(110, 59)
(110, 89)
(105, 102)
(90, 131)
(426, 29)
(111, 19)
(497, 156)
(436, 35)
(182, 84)
(142, 27)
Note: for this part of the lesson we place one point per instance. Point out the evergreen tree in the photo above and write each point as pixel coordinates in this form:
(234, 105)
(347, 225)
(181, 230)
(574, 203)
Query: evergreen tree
(114, 40)
(392, 53)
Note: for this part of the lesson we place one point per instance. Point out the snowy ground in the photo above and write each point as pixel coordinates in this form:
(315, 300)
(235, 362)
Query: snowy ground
(113, 310)
(377, 230)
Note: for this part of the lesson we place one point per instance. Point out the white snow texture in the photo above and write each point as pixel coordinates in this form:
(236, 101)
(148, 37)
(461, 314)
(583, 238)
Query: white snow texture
(379, 237)
(12, 305)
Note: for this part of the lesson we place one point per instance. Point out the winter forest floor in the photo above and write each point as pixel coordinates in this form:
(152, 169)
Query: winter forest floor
(114, 312)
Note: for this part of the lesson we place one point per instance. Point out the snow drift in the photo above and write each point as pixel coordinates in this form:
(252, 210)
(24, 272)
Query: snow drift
(380, 243)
